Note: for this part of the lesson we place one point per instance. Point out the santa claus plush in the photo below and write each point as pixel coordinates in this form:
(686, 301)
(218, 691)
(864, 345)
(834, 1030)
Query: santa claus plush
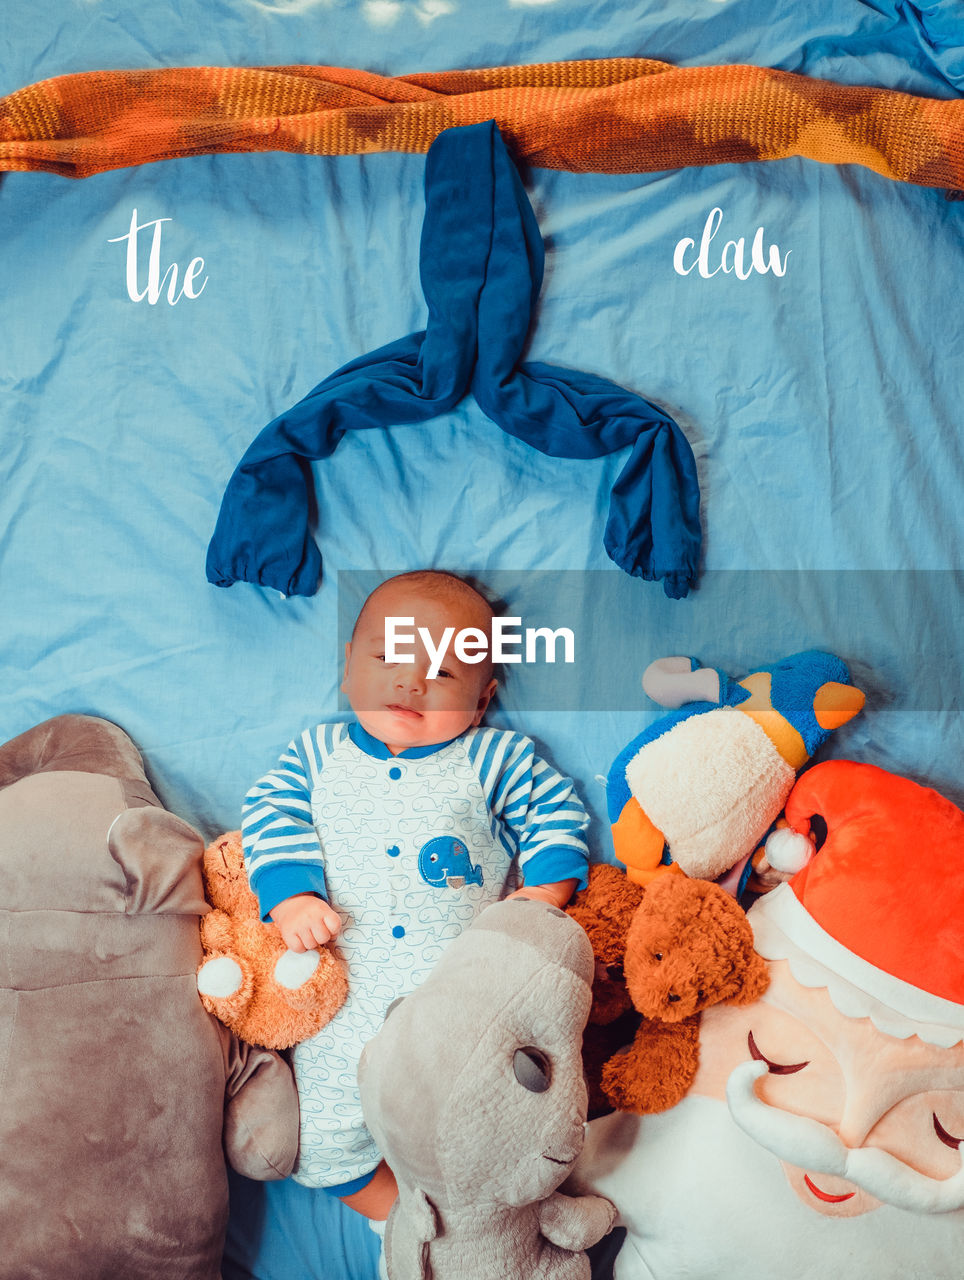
(822, 1136)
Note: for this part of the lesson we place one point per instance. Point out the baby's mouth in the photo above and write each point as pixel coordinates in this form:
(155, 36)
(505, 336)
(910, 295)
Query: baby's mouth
(398, 709)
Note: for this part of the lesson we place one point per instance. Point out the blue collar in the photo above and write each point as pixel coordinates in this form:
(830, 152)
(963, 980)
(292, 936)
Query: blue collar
(372, 747)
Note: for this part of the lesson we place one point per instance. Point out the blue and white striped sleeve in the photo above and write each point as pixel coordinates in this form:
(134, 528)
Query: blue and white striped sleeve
(282, 853)
(544, 817)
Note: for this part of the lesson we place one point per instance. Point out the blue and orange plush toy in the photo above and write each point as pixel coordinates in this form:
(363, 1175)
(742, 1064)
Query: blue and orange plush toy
(697, 791)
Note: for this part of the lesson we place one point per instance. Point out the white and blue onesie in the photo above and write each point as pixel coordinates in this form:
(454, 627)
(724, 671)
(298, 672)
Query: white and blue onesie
(407, 849)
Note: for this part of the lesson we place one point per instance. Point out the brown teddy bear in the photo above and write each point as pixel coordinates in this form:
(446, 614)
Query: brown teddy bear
(265, 993)
(683, 945)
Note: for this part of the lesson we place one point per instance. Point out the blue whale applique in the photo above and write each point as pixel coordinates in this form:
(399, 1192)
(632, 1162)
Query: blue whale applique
(444, 862)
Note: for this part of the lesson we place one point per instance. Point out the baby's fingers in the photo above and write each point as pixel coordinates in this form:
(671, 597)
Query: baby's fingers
(294, 940)
(332, 923)
(299, 937)
(316, 935)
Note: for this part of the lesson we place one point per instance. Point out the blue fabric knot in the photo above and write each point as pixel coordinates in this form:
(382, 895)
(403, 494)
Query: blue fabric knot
(482, 261)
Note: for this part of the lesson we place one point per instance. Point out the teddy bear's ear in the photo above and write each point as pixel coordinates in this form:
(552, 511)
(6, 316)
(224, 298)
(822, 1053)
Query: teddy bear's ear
(605, 909)
(755, 981)
(160, 856)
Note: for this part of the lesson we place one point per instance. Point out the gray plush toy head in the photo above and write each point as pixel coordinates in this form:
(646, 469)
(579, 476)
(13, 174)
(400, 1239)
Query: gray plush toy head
(473, 1088)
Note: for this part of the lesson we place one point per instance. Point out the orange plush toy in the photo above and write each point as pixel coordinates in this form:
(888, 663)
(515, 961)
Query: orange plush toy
(685, 945)
(604, 909)
(265, 993)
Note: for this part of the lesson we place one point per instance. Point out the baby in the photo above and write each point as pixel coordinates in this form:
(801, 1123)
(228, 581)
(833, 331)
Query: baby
(390, 833)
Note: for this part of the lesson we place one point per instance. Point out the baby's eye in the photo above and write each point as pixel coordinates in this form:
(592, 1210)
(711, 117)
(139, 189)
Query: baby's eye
(775, 1068)
(445, 675)
(948, 1139)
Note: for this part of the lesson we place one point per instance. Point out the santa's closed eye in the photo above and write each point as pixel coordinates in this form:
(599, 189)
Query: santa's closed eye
(777, 1068)
(948, 1139)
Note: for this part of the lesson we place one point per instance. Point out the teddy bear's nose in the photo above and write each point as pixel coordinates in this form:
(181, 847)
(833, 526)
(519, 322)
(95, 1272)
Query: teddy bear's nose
(672, 997)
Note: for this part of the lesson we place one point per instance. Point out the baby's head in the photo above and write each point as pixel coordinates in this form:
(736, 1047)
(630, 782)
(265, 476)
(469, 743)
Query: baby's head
(398, 702)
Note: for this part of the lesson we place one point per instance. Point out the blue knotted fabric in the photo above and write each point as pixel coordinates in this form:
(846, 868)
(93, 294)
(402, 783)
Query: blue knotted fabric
(481, 268)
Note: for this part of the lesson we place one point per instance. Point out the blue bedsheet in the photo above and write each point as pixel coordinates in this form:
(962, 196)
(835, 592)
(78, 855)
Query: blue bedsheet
(822, 398)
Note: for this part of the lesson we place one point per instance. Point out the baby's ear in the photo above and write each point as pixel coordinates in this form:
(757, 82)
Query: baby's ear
(485, 697)
(756, 979)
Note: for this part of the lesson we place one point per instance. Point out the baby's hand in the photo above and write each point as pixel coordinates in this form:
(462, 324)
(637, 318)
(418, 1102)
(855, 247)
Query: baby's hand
(556, 894)
(306, 921)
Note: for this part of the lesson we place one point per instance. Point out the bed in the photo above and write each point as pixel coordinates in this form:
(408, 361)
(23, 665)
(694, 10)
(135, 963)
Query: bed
(819, 388)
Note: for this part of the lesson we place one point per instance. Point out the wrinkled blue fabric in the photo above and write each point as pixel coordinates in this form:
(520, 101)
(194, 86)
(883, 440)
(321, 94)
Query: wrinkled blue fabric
(938, 28)
(482, 261)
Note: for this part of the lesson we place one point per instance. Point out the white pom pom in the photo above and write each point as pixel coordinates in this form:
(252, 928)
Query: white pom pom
(295, 968)
(787, 850)
(219, 977)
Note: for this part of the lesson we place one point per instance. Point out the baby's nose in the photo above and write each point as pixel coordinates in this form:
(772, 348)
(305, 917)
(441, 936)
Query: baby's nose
(410, 676)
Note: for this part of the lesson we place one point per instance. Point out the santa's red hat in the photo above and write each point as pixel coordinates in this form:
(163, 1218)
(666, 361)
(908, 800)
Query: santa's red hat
(877, 915)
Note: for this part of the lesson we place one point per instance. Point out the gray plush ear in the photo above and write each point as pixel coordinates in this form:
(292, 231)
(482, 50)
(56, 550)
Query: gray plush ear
(71, 743)
(261, 1111)
(160, 856)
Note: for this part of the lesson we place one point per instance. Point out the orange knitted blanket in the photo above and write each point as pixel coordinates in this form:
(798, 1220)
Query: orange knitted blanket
(611, 115)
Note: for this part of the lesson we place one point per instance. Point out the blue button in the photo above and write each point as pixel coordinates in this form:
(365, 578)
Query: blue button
(395, 772)
(393, 851)
(398, 932)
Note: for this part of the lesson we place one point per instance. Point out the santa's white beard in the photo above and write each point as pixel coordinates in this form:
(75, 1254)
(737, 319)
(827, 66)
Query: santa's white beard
(809, 1145)
(701, 1199)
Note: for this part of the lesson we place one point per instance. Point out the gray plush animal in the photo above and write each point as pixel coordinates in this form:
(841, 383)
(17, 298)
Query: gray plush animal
(474, 1091)
(120, 1095)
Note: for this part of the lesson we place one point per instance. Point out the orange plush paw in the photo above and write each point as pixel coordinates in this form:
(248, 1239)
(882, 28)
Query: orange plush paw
(656, 1071)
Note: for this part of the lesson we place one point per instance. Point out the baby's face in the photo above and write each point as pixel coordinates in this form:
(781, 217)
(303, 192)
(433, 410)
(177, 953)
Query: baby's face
(396, 702)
